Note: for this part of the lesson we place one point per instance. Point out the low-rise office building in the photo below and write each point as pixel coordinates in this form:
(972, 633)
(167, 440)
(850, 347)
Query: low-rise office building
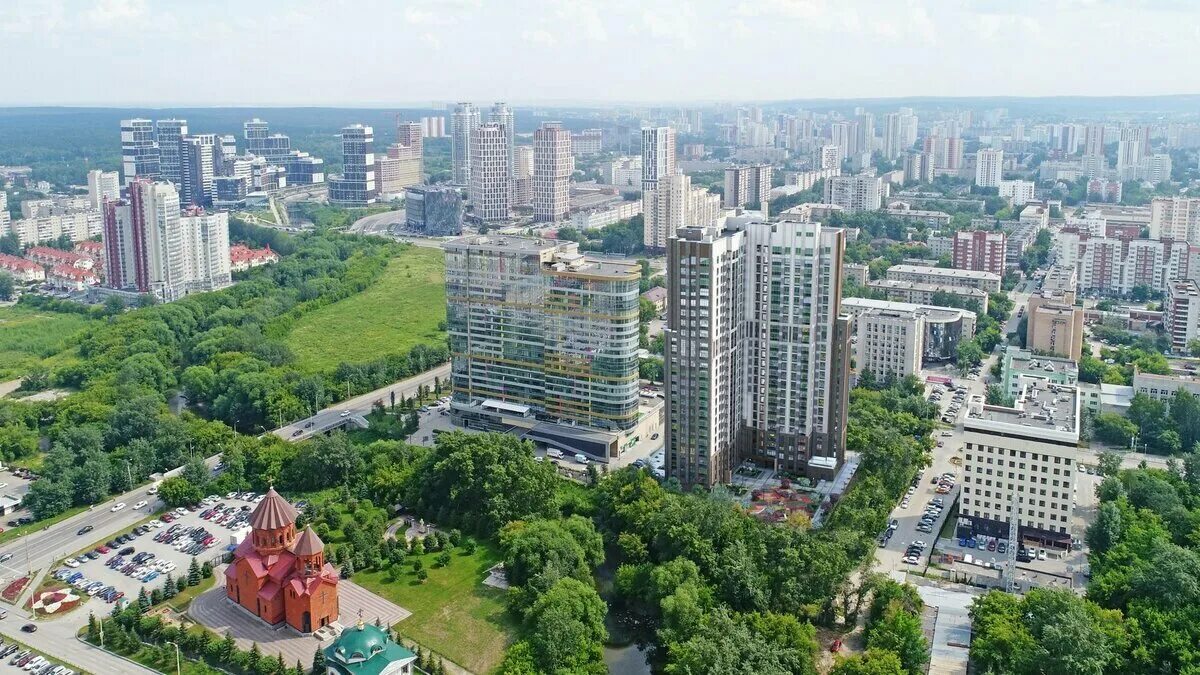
(1162, 387)
(1017, 363)
(944, 328)
(985, 281)
(930, 294)
(1023, 458)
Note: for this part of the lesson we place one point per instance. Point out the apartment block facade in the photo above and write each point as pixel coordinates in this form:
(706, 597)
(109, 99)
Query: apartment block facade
(756, 349)
(980, 251)
(539, 330)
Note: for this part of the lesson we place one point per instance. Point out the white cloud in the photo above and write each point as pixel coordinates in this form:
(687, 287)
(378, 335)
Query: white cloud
(19, 17)
(583, 18)
(539, 36)
(433, 41)
(105, 13)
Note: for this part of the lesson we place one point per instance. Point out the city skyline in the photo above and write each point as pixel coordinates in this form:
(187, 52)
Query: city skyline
(699, 51)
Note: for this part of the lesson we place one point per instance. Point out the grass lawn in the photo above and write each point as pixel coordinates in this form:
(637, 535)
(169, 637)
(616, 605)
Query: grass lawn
(453, 613)
(28, 336)
(402, 309)
(182, 601)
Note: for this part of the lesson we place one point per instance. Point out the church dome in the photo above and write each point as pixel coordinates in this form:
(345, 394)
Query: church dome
(360, 643)
(273, 512)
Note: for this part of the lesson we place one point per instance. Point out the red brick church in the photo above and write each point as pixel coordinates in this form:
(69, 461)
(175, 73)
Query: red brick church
(279, 575)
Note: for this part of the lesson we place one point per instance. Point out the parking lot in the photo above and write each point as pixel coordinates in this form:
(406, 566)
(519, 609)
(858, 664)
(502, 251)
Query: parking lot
(16, 658)
(116, 569)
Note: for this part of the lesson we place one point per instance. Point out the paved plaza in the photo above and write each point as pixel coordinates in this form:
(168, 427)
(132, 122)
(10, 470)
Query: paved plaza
(217, 613)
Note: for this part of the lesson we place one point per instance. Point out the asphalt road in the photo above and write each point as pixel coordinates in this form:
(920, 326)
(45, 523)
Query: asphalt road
(360, 405)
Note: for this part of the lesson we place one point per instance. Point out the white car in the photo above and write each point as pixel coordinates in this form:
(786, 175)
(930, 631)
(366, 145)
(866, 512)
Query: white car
(153, 490)
(1041, 554)
(71, 562)
(118, 506)
(155, 523)
(140, 504)
(180, 511)
(344, 413)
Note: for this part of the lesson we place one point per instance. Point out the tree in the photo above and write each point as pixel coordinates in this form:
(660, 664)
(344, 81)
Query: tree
(179, 491)
(1108, 463)
(253, 657)
(422, 575)
(899, 631)
(143, 601)
(93, 629)
(969, 355)
(6, 286)
(997, 396)
(318, 663)
(443, 559)
(1114, 429)
(565, 627)
(169, 587)
(194, 572)
(873, 662)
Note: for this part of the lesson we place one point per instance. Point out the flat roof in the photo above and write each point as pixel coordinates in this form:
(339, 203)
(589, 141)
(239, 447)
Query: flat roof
(1043, 411)
(858, 305)
(505, 406)
(943, 271)
(923, 286)
(1026, 360)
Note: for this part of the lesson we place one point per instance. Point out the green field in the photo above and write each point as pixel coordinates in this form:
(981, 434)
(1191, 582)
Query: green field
(453, 613)
(29, 336)
(402, 309)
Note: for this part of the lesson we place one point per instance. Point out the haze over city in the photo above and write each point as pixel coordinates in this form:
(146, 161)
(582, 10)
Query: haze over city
(378, 52)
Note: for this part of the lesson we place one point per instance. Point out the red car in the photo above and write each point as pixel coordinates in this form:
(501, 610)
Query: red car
(102, 549)
(167, 517)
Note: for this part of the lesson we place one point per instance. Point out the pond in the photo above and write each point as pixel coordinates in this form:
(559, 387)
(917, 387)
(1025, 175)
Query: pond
(626, 660)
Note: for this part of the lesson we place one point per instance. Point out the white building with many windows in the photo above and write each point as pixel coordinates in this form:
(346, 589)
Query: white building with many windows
(552, 166)
(1025, 457)
(489, 191)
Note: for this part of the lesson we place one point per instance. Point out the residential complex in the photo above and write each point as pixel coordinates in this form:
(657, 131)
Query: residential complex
(150, 247)
(1023, 458)
(489, 189)
(1181, 313)
(980, 251)
(1175, 218)
(463, 123)
(756, 350)
(139, 150)
(674, 203)
(1110, 265)
(984, 281)
(552, 166)
(658, 155)
(747, 186)
(989, 167)
(544, 338)
(102, 185)
(356, 187)
(855, 193)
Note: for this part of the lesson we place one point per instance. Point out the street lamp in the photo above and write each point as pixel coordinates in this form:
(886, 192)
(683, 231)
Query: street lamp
(177, 666)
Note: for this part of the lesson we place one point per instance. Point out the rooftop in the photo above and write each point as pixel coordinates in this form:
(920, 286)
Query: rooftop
(942, 271)
(1027, 361)
(1047, 411)
(931, 288)
(857, 305)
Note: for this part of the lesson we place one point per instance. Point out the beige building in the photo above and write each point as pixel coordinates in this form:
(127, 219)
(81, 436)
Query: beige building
(673, 204)
(747, 186)
(984, 281)
(923, 294)
(1026, 456)
(859, 273)
(1054, 325)
(889, 342)
(855, 193)
(552, 166)
(1181, 313)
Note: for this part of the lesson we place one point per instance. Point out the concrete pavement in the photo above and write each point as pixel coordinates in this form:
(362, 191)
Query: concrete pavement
(360, 405)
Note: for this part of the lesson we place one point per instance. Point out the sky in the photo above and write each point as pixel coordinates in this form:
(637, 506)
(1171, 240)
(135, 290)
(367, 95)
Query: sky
(415, 52)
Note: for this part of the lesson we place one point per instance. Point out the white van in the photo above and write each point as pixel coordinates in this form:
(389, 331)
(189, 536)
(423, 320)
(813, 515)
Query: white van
(581, 458)
(555, 453)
